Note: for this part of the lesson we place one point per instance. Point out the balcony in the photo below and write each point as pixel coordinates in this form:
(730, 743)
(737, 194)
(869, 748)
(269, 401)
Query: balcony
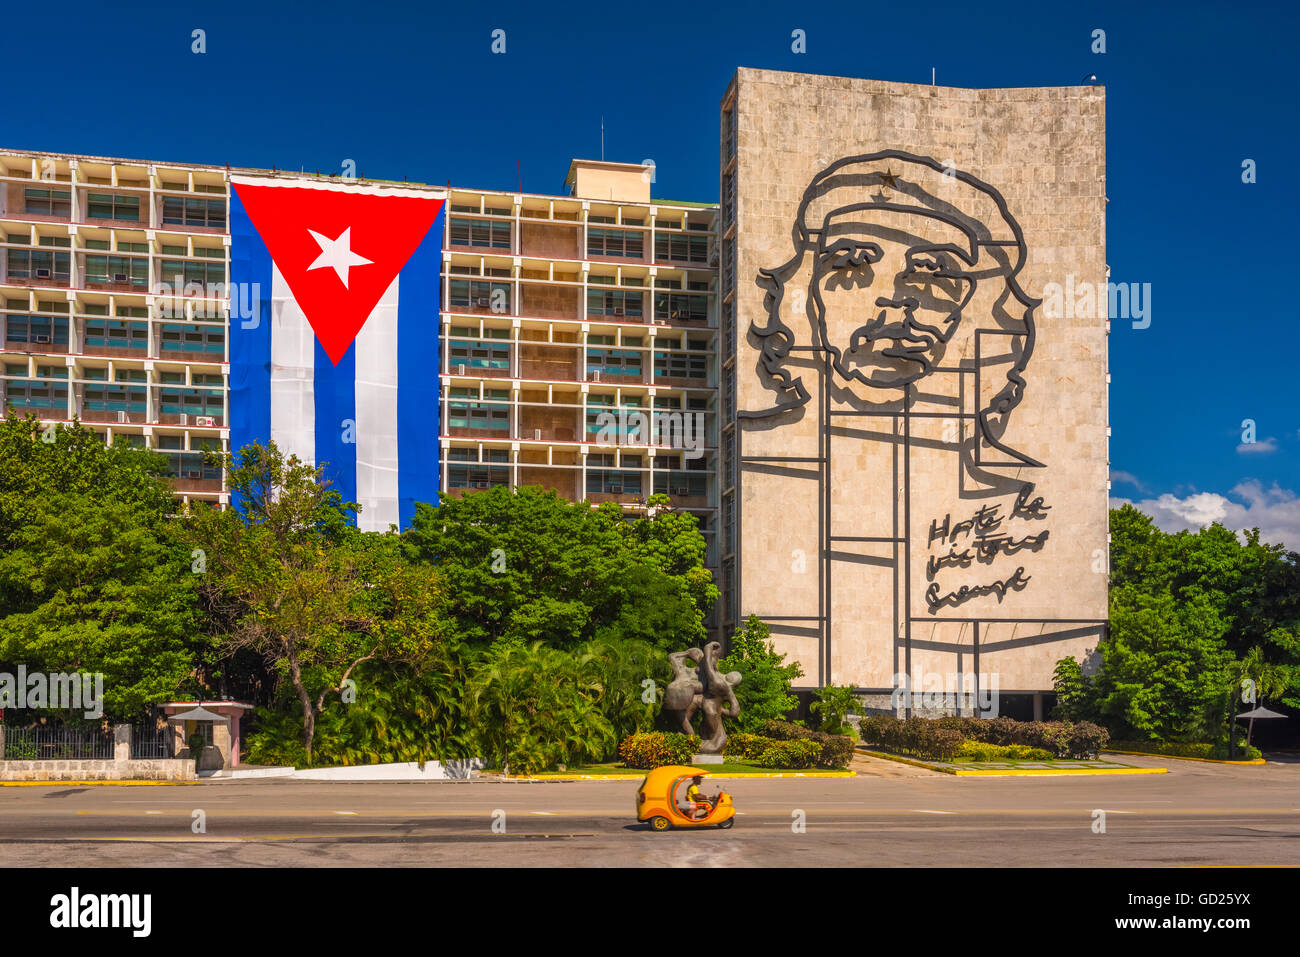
(113, 416)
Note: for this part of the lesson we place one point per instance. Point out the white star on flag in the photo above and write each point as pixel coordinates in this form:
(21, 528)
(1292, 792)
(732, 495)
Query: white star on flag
(337, 254)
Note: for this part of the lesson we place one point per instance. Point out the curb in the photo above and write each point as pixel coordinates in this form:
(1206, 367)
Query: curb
(720, 776)
(83, 784)
(1179, 757)
(1010, 772)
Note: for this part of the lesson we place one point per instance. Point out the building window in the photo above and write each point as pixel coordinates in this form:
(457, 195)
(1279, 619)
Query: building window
(39, 264)
(680, 307)
(48, 202)
(206, 274)
(622, 362)
(681, 365)
(38, 396)
(113, 206)
(480, 232)
(37, 330)
(191, 337)
(188, 211)
(623, 243)
(190, 401)
(113, 398)
(465, 294)
(479, 355)
(615, 302)
(682, 247)
(118, 269)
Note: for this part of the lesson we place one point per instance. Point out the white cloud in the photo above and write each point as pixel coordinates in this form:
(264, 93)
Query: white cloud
(1126, 478)
(1274, 511)
(1262, 447)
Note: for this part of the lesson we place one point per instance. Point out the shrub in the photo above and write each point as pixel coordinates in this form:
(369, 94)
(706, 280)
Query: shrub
(1087, 739)
(744, 746)
(792, 755)
(784, 730)
(876, 727)
(654, 749)
(836, 750)
(982, 751)
(1183, 749)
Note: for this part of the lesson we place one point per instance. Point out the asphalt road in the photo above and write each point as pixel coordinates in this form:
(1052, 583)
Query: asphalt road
(891, 815)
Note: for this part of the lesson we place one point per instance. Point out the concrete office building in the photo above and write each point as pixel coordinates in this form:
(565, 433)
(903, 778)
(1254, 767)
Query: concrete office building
(900, 461)
(914, 445)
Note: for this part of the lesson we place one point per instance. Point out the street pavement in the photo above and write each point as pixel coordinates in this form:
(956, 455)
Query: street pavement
(1198, 814)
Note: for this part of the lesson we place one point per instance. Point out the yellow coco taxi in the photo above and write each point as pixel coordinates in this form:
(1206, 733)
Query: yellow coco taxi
(662, 801)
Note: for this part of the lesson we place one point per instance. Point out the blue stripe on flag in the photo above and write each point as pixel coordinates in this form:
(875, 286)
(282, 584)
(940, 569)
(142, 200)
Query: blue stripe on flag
(250, 335)
(418, 475)
(336, 419)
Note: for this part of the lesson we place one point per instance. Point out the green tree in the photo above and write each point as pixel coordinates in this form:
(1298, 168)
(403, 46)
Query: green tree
(102, 586)
(764, 691)
(291, 578)
(525, 565)
(834, 704)
(533, 707)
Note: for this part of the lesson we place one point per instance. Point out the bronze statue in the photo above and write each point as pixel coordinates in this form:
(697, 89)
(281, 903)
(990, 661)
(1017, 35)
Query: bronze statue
(683, 695)
(715, 695)
(719, 700)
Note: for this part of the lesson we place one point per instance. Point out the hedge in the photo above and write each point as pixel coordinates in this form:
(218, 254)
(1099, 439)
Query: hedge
(654, 749)
(801, 753)
(981, 751)
(836, 749)
(932, 737)
(1181, 749)
(828, 750)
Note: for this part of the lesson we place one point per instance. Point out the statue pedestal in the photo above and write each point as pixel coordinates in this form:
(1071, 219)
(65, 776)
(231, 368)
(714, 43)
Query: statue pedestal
(707, 759)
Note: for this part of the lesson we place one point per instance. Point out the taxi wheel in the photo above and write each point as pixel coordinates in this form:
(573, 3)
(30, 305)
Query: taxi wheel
(727, 823)
(660, 824)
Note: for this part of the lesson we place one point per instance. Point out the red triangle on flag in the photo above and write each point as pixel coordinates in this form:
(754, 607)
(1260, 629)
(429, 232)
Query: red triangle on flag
(338, 250)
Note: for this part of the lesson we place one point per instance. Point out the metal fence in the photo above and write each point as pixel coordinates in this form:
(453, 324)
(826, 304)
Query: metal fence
(57, 744)
(150, 743)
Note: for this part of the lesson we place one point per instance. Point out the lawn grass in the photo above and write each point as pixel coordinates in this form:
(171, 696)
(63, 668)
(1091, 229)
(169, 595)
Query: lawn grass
(727, 767)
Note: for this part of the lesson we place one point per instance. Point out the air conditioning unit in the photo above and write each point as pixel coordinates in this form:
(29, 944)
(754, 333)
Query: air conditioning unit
(121, 416)
(39, 339)
(618, 310)
(185, 418)
(595, 376)
(193, 474)
(42, 274)
(120, 277)
(208, 420)
(460, 368)
(482, 302)
(537, 435)
(482, 484)
(683, 490)
(616, 489)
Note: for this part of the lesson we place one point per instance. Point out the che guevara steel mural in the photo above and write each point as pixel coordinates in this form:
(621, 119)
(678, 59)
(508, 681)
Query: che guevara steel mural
(902, 300)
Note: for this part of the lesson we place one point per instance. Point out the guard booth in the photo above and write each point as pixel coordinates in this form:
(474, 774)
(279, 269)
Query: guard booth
(217, 721)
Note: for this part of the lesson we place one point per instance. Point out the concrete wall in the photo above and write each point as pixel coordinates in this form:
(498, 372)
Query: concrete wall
(997, 403)
(144, 769)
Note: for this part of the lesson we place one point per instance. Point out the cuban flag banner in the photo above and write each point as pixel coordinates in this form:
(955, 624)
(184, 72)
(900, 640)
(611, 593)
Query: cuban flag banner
(334, 343)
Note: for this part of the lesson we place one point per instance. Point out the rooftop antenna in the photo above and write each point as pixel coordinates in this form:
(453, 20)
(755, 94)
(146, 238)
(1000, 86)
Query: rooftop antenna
(519, 172)
(932, 76)
(602, 139)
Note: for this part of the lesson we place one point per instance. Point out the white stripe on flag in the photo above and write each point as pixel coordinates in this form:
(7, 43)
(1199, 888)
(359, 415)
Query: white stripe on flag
(293, 398)
(376, 430)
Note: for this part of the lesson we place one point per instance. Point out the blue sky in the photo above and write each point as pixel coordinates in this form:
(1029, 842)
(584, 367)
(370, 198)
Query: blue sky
(413, 89)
